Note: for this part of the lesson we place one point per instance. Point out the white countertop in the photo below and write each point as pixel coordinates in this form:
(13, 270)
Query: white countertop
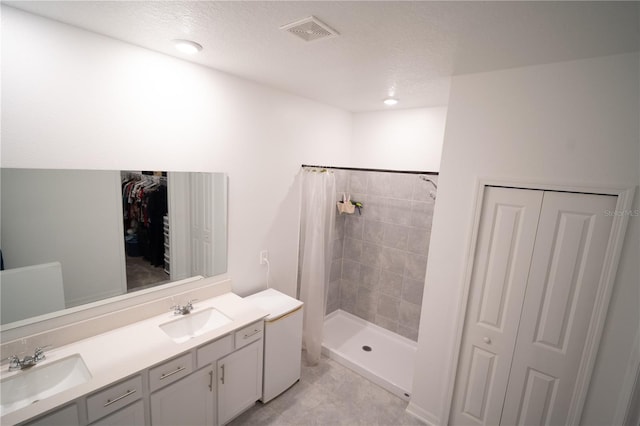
(119, 353)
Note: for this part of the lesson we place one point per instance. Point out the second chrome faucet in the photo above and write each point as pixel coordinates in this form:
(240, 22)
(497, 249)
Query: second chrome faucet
(183, 310)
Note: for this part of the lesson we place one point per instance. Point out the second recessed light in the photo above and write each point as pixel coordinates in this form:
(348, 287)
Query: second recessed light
(390, 101)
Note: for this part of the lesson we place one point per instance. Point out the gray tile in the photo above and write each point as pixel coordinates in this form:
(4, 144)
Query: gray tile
(353, 249)
(412, 290)
(416, 266)
(369, 277)
(393, 260)
(351, 270)
(371, 254)
(409, 315)
(395, 236)
(408, 332)
(358, 182)
(393, 185)
(421, 215)
(353, 227)
(338, 227)
(373, 231)
(396, 211)
(390, 283)
(337, 251)
(386, 323)
(342, 181)
(348, 294)
(418, 241)
(366, 301)
(336, 270)
(388, 307)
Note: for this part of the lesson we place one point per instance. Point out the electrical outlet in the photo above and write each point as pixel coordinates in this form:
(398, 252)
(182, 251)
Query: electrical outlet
(264, 257)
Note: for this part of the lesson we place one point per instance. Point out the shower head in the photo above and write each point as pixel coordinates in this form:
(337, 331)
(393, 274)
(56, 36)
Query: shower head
(432, 194)
(426, 179)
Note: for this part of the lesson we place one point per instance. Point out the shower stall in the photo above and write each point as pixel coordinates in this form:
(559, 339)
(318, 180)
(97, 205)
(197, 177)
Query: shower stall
(377, 275)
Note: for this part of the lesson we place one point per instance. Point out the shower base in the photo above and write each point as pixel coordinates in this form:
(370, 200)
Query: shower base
(385, 358)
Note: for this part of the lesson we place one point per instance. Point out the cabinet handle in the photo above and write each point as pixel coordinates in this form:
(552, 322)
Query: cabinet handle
(165, 375)
(246, 336)
(487, 340)
(211, 380)
(124, 395)
(222, 376)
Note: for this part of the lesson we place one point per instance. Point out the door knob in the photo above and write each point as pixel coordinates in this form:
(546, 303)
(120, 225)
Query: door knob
(487, 340)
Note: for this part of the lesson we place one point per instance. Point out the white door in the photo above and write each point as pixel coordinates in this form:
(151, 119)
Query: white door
(202, 220)
(566, 268)
(506, 236)
(532, 294)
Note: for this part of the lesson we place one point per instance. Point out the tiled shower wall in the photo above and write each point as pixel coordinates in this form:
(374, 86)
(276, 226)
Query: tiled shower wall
(380, 256)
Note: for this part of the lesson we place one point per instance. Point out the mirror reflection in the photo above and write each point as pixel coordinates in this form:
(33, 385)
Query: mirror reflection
(71, 237)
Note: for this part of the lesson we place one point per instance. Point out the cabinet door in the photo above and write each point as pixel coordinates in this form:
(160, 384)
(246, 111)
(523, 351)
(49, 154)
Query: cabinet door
(239, 381)
(506, 236)
(133, 415)
(67, 416)
(189, 401)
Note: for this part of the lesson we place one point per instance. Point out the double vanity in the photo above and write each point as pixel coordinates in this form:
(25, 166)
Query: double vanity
(201, 367)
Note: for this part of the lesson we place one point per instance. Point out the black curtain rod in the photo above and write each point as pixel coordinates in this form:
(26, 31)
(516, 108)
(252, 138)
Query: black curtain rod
(358, 169)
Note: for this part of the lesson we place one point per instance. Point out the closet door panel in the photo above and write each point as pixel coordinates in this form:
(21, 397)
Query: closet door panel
(506, 237)
(566, 269)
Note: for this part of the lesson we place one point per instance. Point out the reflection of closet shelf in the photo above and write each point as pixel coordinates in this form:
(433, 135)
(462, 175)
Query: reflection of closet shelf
(167, 254)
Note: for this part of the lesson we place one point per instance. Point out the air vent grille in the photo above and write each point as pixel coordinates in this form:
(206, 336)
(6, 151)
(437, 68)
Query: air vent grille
(310, 29)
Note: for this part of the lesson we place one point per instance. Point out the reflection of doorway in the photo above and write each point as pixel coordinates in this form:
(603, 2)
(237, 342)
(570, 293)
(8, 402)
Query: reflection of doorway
(146, 228)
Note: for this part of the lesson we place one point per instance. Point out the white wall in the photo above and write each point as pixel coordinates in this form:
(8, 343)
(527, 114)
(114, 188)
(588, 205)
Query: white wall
(569, 123)
(405, 139)
(43, 221)
(75, 99)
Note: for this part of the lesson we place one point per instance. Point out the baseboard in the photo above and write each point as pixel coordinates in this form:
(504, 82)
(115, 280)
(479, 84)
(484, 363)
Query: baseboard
(422, 415)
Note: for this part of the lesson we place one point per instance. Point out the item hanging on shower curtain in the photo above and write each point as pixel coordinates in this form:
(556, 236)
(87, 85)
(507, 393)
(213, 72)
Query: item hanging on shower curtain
(316, 240)
(345, 206)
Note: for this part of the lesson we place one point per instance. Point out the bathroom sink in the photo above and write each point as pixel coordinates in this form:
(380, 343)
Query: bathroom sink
(41, 381)
(194, 324)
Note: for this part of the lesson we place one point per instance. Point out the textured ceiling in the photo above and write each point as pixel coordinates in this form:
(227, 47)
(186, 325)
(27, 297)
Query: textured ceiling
(409, 48)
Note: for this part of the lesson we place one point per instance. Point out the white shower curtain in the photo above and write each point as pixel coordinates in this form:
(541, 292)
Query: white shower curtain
(316, 237)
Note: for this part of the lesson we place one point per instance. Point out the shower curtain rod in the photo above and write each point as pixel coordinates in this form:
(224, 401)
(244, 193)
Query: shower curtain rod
(358, 169)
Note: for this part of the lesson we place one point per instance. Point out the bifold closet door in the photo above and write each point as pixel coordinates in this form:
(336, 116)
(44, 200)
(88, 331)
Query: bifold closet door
(537, 271)
(566, 270)
(506, 236)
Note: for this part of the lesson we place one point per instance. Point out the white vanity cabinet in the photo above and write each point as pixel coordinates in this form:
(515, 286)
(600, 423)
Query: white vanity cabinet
(131, 415)
(114, 398)
(189, 401)
(62, 417)
(209, 383)
(239, 381)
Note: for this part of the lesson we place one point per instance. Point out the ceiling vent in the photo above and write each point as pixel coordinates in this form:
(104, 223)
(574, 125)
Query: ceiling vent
(310, 29)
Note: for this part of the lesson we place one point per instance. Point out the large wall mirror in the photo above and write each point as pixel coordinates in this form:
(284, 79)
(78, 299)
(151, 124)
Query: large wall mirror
(73, 237)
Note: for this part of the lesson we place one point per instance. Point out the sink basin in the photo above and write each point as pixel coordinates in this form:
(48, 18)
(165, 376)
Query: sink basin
(194, 324)
(41, 381)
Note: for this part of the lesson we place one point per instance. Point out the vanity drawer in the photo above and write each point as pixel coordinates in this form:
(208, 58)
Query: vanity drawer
(249, 334)
(170, 371)
(114, 398)
(211, 352)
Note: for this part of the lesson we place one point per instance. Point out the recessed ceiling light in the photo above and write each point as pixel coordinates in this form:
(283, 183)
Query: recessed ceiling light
(390, 101)
(187, 46)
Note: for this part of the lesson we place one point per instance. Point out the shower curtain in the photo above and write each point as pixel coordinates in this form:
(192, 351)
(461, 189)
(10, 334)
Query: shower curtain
(316, 230)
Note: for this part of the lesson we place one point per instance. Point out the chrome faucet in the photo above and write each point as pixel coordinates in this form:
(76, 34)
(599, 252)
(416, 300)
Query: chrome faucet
(183, 310)
(15, 363)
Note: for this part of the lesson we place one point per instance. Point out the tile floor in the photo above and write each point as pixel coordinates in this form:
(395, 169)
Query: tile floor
(329, 394)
